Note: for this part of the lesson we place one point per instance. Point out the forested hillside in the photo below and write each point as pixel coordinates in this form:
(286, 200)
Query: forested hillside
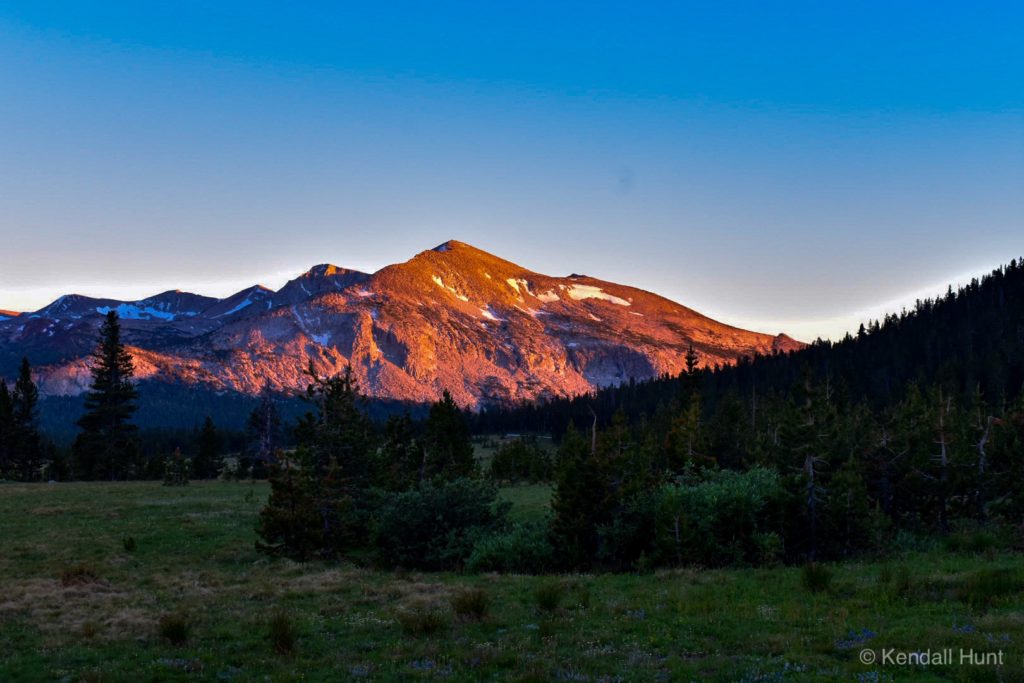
(915, 424)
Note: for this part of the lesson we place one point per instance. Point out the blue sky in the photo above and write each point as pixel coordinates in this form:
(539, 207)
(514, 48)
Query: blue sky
(785, 166)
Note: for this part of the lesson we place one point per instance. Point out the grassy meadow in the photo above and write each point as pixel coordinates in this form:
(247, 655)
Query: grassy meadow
(140, 582)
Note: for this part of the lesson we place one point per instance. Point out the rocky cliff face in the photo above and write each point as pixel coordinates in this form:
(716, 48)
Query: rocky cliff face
(453, 317)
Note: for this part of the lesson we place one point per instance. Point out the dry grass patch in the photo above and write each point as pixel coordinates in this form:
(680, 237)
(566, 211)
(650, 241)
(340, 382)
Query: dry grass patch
(96, 610)
(78, 575)
(326, 581)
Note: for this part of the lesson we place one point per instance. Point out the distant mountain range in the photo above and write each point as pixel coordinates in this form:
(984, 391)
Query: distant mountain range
(453, 317)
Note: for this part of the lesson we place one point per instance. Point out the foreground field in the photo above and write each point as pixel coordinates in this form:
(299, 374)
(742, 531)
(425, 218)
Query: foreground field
(135, 581)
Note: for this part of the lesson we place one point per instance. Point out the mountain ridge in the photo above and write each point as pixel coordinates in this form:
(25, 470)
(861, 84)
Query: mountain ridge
(453, 317)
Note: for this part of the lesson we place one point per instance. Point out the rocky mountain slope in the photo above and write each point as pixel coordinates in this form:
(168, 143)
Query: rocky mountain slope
(453, 317)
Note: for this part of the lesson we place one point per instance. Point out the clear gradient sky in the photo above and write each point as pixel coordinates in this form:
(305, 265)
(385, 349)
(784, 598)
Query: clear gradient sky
(792, 166)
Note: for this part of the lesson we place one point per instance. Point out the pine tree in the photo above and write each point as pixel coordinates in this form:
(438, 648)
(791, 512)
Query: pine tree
(6, 432)
(691, 361)
(264, 438)
(683, 440)
(27, 445)
(401, 455)
(206, 464)
(290, 524)
(106, 448)
(448, 451)
(336, 444)
(580, 501)
(339, 430)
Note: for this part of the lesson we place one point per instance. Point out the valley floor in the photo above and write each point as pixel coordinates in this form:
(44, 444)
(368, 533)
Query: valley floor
(78, 602)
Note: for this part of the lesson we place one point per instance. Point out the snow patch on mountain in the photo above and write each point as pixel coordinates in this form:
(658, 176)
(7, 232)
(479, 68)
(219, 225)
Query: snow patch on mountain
(245, 302)
(580, 292)
(487, 313)
(134, 312)
(440, 283)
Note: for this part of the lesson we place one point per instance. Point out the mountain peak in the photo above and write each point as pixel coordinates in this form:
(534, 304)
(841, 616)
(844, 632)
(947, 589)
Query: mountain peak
(324, 270)
(449, 246)
(321, 278)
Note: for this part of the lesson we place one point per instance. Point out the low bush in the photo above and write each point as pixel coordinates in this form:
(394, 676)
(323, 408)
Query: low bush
(816, 578)
(282, 633)
(548, 595)
(709, 518)
(422, 621)
(471, 603)
(174, 628)
(519, 549)
(436, 526)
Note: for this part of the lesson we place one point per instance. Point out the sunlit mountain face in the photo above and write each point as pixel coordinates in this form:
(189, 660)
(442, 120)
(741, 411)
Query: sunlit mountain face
(453, 317)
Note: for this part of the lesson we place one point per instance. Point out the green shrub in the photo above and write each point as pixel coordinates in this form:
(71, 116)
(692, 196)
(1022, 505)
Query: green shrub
(548, 595)
(422, 621)
(282, 633)
(174, 628)
(471, 603)
(128, 542)
(435, 527)
(710, 518)
(816, 578)
(520, 549)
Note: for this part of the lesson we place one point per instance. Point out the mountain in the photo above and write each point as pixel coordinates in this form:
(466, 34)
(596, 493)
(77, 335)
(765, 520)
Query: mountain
(317, 280)
(249, 301)
(453, 317)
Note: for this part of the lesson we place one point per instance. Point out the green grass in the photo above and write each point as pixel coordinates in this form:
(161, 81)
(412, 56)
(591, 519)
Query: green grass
(530, 502)
(250, 618)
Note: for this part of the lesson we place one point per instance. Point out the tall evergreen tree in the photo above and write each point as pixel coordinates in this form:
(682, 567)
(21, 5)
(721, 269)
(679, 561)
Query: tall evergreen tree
(290, 524)
(206, 464)
(27, 444)
(336, 446)
(448, 451)
(6, 432)
(263, 432)
(580, 503)
(339, 429)
(106, 448)
(401, 455)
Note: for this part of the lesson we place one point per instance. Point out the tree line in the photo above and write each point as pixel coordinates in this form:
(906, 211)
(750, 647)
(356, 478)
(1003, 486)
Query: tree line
(108, 445)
